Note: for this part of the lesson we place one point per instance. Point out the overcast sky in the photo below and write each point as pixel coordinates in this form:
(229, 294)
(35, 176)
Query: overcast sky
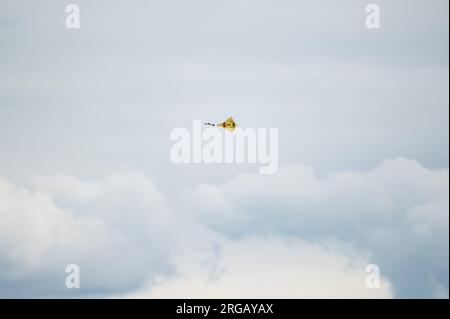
(86, 178)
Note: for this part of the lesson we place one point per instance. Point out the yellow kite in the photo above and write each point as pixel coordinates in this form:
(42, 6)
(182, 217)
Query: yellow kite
(229, 124)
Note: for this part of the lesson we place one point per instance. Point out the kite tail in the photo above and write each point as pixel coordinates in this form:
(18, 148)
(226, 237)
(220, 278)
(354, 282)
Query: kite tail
(210, 124)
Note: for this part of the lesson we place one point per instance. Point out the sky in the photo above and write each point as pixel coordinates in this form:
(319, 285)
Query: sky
(86, 177)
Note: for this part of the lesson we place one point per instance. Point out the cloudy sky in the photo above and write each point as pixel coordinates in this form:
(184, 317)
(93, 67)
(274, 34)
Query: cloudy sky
(86, 178)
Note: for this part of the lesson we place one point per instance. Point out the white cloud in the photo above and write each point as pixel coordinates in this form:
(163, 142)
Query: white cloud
(269, 268)
(398, 211)
(118, 230)
(347, 96)
(123, 234)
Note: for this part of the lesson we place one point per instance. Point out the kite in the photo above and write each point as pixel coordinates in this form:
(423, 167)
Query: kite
(229, 124)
